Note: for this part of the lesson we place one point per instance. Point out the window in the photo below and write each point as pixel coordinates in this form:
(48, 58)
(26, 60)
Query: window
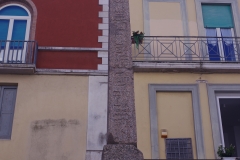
(180, 148)
(14, 32)
(7, 105)
(218, 22)
(229, 111)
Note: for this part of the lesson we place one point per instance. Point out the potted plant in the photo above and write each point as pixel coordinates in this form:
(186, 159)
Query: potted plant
(226, 153)
(137, 38)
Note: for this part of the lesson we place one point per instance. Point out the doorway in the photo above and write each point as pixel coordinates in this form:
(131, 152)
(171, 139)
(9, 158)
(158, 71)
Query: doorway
(229, 116)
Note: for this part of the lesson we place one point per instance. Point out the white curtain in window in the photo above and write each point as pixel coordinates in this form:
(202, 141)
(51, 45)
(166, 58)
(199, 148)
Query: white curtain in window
(213, 34)
(227, 33)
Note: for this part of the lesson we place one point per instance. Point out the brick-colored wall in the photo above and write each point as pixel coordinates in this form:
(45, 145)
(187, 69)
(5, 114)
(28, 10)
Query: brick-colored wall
(68, 23)
(68, 60)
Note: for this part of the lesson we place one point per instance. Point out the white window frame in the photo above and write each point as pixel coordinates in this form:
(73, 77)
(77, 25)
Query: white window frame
(10, 30)
(220, 43)
(214, 91)
(226, 96)
(12, 18)
(235, 12)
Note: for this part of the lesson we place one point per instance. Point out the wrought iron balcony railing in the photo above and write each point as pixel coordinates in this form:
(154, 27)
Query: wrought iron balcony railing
(211, 49)
(18, 52)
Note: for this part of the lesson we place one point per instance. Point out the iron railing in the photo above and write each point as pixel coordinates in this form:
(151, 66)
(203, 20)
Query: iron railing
(18, 52)
(178, 48)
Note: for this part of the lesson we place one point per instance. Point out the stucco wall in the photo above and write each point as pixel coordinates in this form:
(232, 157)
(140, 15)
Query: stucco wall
(68, 23)
(50, 118)
(68, 60)
(178, 124)
(165, 19)
(136, 15)
(166, 16)
(141, 81)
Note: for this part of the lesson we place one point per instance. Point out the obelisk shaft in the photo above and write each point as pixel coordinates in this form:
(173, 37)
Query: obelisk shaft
(122, 136)
(121, 108)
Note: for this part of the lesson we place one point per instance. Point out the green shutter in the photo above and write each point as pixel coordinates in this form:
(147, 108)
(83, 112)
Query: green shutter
(217, 16)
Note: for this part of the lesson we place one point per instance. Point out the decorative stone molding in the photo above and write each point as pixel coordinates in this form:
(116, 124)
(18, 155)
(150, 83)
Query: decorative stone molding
(193, 88)
(31, 7)
(184, 15)
(104, 38)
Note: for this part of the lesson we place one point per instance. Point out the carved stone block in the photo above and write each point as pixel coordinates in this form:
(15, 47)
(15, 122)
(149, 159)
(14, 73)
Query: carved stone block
(121, 152)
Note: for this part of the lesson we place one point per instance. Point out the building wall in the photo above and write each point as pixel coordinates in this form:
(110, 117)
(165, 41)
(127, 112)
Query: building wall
(68, 60)
(166, 100)
(164, 17)
(50, 118)
(178, 124)
(68, 24)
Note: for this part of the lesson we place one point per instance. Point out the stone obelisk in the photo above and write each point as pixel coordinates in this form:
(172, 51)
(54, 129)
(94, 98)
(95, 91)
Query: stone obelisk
(122, 134)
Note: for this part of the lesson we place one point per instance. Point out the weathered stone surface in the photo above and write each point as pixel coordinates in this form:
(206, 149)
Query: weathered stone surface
(122, 136)
(121, 109)
(121, 152)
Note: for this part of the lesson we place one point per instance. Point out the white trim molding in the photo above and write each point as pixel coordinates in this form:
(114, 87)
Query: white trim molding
(76, 72)
(53, 48)
(13, 18)
(235, 11)
(193, 88)
(104, 27)
(186, 66)
(184, 15)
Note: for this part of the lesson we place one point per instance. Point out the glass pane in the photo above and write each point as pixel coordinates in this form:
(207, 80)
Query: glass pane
(230, 111)
(18, 34)
(4, 24)
(13, 11)
(213, 49)
(228, 46)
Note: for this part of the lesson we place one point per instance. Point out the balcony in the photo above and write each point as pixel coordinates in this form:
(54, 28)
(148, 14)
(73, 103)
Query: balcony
(18, 57)
(186, 53)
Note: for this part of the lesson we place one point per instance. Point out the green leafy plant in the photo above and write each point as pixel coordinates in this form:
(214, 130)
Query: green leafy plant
(226, 151)
(137, 38)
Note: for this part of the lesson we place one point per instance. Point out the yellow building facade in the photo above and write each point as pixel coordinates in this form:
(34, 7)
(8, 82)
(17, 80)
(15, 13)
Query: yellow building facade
(180, 87)
(55, 116)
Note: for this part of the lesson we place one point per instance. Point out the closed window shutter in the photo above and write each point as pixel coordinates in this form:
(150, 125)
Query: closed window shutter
(7, 105)
(217, 16)
(4, 24)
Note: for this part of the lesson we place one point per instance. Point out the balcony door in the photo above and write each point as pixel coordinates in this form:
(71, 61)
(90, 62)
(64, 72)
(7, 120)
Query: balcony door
(221, 48)
(219, 26)
(229, 110)
(14, 32)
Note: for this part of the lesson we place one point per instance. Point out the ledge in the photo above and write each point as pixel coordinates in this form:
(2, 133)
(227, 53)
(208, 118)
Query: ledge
(71, 72)
(52, 48)
(17, 68)
(203, 67)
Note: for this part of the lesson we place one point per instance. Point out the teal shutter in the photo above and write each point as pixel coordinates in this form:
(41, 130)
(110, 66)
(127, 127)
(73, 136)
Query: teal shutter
(217, 16)
(7, 105)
